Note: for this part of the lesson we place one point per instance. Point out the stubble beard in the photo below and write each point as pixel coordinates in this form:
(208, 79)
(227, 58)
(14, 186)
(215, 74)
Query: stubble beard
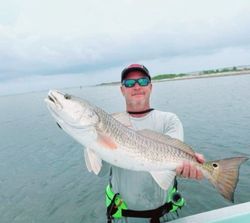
(138, 104)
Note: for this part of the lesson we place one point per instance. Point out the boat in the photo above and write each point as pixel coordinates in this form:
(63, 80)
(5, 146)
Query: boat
(239, 213)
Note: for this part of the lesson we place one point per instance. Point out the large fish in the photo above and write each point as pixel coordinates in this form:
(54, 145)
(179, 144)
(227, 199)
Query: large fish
(110, 138)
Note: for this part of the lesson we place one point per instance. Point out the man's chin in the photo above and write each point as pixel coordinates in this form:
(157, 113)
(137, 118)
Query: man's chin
(138, 101)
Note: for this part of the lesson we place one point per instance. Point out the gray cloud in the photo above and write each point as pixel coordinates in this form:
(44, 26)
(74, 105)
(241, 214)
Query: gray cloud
(121, 37)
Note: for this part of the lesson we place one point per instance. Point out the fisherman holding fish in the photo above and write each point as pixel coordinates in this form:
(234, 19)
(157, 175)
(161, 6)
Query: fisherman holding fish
(141, 148)
(138, 189)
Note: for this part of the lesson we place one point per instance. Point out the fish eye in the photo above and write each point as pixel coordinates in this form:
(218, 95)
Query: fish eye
(67, 96)
(215, 165)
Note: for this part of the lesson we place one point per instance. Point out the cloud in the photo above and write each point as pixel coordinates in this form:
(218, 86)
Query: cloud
(55, 37)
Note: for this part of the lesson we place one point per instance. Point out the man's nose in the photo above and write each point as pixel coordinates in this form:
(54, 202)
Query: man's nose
(137, 86)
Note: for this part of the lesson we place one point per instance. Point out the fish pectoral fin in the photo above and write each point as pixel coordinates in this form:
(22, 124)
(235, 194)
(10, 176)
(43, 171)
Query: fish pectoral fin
(166, 139)
(164, 178)
(123, 118)
(106, 141)
(93, 162)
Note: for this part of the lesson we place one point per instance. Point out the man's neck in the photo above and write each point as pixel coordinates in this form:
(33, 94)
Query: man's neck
(138, 111)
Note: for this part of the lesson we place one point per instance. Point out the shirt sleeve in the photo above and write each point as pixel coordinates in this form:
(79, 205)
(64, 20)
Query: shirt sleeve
(174, 128)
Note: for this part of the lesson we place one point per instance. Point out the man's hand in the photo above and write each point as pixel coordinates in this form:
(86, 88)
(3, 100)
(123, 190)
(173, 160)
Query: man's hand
(187, 170)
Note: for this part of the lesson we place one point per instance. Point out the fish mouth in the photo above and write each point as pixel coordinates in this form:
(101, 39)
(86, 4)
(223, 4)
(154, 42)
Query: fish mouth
(55, 106)
(53, 101)
(51, 98)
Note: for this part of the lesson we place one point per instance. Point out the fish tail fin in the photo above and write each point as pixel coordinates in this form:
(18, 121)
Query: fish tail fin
(224, 175)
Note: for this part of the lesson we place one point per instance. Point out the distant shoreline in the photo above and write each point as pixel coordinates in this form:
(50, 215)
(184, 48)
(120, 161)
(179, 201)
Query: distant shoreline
(187, 77)
(222, 74)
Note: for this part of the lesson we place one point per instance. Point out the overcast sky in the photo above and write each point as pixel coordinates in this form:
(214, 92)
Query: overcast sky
(57, 43)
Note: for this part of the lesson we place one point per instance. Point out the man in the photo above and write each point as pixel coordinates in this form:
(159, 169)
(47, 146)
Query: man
(138, 189)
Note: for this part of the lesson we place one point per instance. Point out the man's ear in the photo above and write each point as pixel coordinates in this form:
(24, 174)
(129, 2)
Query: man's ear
(151, 86)
(122, 90)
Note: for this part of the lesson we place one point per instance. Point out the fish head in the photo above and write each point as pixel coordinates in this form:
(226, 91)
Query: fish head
(70, 110)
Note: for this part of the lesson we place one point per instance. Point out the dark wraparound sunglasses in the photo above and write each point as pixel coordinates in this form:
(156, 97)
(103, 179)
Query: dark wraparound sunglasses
(144, 81)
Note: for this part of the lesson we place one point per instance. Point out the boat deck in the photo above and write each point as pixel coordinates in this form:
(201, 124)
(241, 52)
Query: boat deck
(235, 213)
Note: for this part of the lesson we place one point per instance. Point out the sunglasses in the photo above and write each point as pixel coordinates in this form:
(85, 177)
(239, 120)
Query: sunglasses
(144, 81)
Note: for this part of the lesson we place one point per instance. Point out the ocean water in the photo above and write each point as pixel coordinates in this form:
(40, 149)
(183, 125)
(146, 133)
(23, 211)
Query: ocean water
(43, 177)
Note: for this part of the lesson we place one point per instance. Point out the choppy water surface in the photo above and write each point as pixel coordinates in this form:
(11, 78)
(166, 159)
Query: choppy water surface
(43, 177)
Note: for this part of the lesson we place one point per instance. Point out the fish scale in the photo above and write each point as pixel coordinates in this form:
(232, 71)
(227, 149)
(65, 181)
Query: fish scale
(137, 143)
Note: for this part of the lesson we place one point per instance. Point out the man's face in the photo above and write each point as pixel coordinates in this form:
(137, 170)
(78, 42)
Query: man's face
(137, 95)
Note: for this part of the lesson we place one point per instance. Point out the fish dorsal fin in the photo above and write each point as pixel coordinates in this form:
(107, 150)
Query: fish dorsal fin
(163, 178)
(93, 162)
(167, 140)
(123, 118)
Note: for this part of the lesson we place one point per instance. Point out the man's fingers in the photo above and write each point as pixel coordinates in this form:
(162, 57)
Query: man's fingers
(179, 170)
(185, 171)
(192, 172)
(199, 175)
(199, 157)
